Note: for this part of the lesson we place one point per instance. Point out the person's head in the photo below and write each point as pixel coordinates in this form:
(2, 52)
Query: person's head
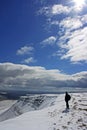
(66, 93)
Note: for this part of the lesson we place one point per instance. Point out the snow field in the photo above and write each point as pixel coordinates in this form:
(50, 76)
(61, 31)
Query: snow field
(52, 115)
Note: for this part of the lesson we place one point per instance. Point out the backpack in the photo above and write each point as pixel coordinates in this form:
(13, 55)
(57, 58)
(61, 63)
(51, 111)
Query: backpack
(69, 97)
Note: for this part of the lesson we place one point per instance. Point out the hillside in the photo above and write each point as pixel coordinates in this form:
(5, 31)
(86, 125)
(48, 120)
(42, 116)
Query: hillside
(47, 112)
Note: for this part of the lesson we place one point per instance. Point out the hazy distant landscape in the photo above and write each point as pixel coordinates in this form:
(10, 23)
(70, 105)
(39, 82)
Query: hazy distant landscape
(14, 95)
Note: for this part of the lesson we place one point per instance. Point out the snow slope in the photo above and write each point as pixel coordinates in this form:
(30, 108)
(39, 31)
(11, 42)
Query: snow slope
(26, 104)
(6, 104)
(53, 115)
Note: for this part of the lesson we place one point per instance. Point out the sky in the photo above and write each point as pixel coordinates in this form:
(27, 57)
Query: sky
(45, 41)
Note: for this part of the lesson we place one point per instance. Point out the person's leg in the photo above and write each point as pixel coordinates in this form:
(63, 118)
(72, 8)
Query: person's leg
(67, 105)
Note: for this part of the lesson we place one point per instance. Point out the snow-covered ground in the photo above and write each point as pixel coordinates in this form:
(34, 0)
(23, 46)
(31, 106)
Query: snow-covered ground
(47, 112)
(6, 104)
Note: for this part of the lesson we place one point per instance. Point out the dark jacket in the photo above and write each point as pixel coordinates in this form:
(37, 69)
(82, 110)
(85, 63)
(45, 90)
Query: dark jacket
(67, 97)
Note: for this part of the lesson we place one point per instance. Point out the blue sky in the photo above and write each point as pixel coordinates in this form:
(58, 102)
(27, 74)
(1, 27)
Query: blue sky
(50, 34)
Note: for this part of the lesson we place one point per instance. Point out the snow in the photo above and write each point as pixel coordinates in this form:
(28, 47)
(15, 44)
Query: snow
(6, 104)
(26, 104)
(50, 114)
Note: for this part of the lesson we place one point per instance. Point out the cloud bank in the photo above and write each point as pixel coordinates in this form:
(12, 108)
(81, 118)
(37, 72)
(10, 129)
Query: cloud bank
(17, 76)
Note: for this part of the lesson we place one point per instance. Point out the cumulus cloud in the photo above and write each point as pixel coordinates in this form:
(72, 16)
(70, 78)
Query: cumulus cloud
(25, 50)
(49, 41)
(38, 78)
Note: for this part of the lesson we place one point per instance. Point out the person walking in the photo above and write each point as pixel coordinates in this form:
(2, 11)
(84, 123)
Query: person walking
(67, 98)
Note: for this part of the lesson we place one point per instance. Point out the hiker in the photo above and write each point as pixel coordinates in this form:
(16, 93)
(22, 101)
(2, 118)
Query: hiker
(67, 98)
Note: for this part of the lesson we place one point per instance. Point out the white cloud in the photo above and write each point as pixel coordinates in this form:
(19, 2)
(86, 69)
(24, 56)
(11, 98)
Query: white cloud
(52, 13)
(71, 30)
(74, 23)
(54, 10)
(49, 41)
(25, 50)
(58, 9)
(44, 10)
(58, 53)
(71, 23)
(15, 76)
(72, 42)
(54, 22)
(29, 60)
(76, 45)
(84, 19)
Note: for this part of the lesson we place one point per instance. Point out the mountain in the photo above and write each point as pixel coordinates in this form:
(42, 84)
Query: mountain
(26, 104)
(46, 112)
